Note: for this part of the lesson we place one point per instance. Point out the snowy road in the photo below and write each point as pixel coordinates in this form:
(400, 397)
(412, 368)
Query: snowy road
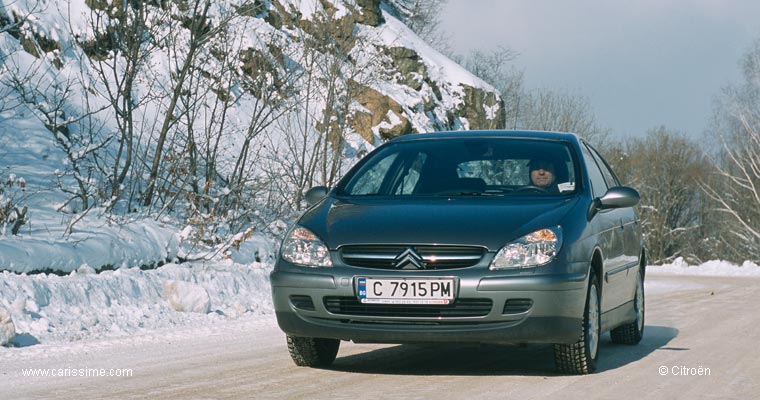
(692, 322)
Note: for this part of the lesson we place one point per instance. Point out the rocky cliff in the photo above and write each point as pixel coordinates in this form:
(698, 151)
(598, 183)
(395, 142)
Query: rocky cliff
(404, 86)
(219, 113)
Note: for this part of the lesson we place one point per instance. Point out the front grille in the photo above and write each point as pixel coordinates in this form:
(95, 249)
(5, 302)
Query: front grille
(433, 257)
(517, 306)
(460, 308)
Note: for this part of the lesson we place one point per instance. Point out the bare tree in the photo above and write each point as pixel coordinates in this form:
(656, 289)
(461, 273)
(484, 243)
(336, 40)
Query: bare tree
(13, 210)
(423, 18)
(666, 167)
(736, 187)
(546, 109)
(269, 84)
(332, 71)
(76, 133)
(183, 55)
(122, 44)
(186, 41)
(49, 96)
(11, 23)
(554, 110)
(234, 96)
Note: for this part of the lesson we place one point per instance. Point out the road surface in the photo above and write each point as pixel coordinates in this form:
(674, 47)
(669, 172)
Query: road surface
(701, 341)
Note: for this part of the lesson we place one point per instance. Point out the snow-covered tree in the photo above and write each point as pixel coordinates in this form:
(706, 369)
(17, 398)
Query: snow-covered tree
(736, 190)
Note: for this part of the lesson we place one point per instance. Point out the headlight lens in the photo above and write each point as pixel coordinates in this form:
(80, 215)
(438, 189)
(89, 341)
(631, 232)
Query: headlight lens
(302, 247)
(532, 250)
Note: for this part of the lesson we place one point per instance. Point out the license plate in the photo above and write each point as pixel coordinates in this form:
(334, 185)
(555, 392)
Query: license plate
(406, 291)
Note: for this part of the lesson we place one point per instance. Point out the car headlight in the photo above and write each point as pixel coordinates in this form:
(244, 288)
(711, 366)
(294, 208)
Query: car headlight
(302, 247)
(532, 250)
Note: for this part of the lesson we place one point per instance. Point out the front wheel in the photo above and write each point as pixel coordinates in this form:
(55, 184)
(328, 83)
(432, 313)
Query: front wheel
(580, 357)
(312, 352)
(632, 333)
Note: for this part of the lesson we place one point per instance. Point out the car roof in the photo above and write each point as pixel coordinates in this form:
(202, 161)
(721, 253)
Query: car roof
(543, 135)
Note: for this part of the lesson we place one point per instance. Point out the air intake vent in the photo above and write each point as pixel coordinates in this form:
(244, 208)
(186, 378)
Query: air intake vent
(517, 306)
(302, 302)
(461, 308)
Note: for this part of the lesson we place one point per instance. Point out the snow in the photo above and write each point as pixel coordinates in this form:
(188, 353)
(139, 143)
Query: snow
(83, 306)
(709, 268)
(130, 244)
(7, 329)
(308, 8)
(395, 34)
(187, 297)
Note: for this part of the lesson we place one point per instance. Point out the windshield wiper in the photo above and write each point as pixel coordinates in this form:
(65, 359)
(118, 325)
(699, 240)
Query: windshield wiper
(466, 193)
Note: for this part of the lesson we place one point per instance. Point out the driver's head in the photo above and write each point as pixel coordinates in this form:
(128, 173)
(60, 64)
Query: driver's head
(541, 172)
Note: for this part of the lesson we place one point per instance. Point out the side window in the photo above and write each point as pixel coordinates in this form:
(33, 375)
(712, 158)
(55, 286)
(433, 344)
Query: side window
(598, 184)
(609, 176)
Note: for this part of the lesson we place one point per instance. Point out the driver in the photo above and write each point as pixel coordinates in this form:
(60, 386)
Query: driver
(542, 173)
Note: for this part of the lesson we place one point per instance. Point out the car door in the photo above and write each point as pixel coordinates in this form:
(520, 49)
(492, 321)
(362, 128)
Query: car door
(629, 224)
(611, 238)
(629, 220)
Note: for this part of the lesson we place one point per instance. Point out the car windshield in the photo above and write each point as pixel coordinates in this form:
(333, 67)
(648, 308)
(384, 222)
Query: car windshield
(465, 167)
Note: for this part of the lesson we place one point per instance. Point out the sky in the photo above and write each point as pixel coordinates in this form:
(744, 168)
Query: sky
(641, 64)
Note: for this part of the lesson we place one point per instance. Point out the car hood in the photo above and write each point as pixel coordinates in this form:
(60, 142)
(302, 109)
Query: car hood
(489, 222)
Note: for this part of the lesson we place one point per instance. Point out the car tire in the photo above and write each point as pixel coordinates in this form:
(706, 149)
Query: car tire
(312, 352)
(580, 357)
(632, 333)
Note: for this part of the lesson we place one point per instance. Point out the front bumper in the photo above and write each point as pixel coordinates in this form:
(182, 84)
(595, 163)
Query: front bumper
(549, 307)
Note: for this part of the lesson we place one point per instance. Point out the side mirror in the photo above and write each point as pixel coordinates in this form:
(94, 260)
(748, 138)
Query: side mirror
(619, 197)
(616, 197)
(315, 194)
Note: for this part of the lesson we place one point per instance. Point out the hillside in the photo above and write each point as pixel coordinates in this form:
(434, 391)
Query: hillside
(137, 133)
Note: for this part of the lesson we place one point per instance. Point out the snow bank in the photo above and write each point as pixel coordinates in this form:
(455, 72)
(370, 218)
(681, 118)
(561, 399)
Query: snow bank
(709, 268)
(133, 244)
(7, 330)
(187, 297)
(255, 249)
(51, 308)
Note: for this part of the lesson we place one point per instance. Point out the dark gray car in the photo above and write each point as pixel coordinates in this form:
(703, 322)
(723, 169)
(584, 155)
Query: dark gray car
(466, 237)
